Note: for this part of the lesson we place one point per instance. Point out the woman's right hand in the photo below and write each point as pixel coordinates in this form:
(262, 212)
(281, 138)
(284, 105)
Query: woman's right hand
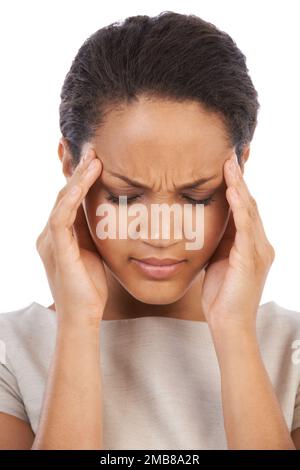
(73, 264)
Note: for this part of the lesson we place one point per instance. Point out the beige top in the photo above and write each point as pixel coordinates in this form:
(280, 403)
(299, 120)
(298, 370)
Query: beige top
(161, 379)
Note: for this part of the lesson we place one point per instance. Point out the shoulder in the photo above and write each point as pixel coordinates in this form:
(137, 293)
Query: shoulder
(278, 324)
(278, 315)
(30, 324)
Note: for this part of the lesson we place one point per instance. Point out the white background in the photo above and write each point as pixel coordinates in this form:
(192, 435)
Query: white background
(38, 42)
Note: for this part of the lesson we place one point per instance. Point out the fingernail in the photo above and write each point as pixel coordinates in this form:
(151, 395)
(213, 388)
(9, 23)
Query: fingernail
(232, 166)
(235, 159)
(86, 156)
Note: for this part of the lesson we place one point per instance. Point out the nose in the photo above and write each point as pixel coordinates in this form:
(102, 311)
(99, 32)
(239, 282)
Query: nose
(163, 243)
(160, 235)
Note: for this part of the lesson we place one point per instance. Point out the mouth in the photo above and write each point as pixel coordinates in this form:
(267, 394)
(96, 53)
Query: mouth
(158, 268)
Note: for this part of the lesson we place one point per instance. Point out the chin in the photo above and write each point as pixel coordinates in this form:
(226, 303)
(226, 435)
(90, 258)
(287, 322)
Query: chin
(158, 294)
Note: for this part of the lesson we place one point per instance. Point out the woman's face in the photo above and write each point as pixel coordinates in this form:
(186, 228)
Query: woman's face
(163, 145)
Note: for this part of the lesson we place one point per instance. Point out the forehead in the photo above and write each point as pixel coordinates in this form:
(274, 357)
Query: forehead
(162, 135)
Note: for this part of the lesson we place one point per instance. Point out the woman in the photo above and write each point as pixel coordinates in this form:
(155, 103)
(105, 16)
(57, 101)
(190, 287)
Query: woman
(134, 354)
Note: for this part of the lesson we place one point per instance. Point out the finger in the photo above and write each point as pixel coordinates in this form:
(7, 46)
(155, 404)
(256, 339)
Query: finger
(64, 214)
(82, 167)
(235, 177)
(244, 241)
(77, 173)
(87, 157)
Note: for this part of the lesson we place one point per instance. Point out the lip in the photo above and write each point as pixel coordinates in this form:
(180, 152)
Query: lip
(158, 268)
(159, 261)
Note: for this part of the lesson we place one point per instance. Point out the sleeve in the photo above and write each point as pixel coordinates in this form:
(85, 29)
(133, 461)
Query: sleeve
(296, 416)
(10, 397)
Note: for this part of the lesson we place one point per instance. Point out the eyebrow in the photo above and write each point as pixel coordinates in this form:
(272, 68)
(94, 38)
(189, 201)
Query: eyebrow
(137, 184)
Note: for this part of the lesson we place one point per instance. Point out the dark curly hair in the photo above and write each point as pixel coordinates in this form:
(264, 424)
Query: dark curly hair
(172, 56)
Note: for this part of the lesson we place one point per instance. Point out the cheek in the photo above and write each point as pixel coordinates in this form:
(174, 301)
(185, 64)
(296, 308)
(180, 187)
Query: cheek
(215, 221)
(113, 250)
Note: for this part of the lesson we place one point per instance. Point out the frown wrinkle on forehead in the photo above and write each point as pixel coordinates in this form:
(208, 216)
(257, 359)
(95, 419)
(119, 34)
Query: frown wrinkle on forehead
(138, 184)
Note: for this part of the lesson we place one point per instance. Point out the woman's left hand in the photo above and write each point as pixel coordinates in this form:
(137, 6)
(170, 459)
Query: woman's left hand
(236, 273)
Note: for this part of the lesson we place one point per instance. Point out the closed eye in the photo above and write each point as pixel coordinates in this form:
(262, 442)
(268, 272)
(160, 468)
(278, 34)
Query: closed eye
(205, 202)
(115, 199)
